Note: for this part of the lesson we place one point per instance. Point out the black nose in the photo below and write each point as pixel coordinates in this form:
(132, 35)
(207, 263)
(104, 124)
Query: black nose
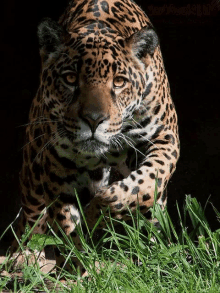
(93, 119)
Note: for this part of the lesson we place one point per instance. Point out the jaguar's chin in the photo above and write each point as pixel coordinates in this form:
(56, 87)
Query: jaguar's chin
(93, 147)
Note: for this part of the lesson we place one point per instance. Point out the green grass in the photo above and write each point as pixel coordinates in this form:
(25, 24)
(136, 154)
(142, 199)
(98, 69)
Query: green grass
(165, 260)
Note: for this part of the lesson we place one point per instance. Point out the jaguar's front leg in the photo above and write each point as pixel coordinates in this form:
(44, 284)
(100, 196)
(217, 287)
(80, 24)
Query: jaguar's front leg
(33, 216)
(138, 188)
(65, 219)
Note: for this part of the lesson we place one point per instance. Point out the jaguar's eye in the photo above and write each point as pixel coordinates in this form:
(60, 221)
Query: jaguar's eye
(119, 82)
(69, 78)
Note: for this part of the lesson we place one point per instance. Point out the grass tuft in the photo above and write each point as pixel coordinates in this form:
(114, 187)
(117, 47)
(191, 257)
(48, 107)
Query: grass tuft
(134, 258)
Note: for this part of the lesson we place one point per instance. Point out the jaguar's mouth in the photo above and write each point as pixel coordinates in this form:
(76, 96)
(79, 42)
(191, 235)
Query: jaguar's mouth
(92, 146)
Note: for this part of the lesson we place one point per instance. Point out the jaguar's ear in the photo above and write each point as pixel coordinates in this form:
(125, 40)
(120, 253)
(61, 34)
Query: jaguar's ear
(143, 42)
(50, 35)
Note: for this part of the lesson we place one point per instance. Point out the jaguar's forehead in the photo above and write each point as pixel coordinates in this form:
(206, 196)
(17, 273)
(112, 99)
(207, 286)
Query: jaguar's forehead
(95, 28)
(96, 37)
(96, 50)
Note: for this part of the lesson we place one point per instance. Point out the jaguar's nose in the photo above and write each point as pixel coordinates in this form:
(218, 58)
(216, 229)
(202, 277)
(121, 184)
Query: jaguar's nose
(94, 119)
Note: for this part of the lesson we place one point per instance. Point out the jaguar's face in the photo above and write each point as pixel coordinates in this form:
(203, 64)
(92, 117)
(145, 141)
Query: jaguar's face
(93, 88)
(92, 81)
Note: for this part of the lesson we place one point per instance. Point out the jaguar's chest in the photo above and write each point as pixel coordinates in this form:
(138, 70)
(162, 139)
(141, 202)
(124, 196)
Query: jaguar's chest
(69, 172)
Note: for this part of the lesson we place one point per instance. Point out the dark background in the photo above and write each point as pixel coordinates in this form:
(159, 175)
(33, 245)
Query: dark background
(189, 34)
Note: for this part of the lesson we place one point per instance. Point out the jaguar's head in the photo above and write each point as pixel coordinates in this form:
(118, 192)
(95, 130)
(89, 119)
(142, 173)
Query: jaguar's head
(92, 81)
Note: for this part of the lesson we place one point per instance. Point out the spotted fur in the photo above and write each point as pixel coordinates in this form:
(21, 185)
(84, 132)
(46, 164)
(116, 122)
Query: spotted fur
(102, 123)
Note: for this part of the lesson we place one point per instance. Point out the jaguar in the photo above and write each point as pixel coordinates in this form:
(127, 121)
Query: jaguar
(102, 127)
